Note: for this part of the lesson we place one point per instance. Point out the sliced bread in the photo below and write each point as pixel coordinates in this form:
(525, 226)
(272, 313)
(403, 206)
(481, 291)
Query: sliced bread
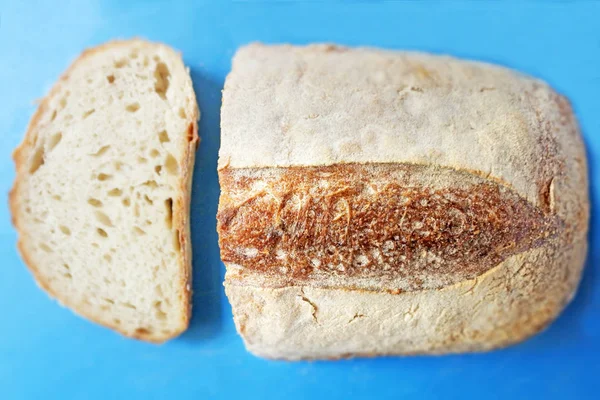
(102, 190)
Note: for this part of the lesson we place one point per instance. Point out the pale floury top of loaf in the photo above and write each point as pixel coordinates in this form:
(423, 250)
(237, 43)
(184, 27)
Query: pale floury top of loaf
(324, 104)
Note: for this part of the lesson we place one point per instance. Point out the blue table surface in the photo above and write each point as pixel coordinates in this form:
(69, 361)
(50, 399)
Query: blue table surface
(46, 352)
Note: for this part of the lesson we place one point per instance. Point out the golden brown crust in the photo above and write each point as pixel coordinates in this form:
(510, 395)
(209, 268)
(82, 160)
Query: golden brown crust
(181, 219)
(386, 222)
(184, 223)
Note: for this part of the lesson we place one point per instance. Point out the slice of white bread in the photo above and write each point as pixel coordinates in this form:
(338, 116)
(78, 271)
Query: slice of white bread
(102, 190)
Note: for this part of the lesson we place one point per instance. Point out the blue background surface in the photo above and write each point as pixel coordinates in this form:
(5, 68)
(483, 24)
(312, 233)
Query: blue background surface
(47, 352)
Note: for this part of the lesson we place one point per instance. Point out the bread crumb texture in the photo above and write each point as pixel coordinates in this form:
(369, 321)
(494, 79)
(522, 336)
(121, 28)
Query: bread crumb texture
(101, 193)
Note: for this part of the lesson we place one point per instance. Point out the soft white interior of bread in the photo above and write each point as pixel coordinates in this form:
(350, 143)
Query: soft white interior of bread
(102, 186)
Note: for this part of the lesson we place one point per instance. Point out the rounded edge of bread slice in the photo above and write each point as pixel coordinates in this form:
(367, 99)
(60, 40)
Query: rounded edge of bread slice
(135, 306)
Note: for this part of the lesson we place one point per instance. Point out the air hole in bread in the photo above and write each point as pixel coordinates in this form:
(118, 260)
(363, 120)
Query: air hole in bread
(66, 267)
(176, 242)
(139, 231)
(133, 107)
(37, 160)
(67, 275)
(157, 169)
(63, 102)
(160, 314)
(104, 177)
(102, 233)
(54, 140)
(143, 331)
(94, 202)
(146, 61)
(65, 230)
(53, 117)
(117, 321)
(152, 184)
(182, 113)
(103, 218)
(161, 79)
(88, 113)
(136, 210)
(190, 132)
(126, 202)
(115, 192)
(169, 213)
(45, 247)
(109, 301)
(110, 78)
(142, 160)
(171, 165)
(101, 151)
(56, 197)
(107, 257)
(121, 63)
(129, 305)
(163, 137)
(154, 153)
(96, 245)
(133, 55)
(148, 199)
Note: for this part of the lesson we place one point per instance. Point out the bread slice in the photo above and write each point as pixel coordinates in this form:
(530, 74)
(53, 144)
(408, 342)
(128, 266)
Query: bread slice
(102, 189)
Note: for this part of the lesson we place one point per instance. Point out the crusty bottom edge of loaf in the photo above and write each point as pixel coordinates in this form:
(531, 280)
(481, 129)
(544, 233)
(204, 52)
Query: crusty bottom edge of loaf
(432, 353)
(505, 306)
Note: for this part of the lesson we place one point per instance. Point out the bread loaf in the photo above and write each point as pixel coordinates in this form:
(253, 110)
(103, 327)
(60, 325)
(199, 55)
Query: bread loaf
(377, 202)
(101, 196)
